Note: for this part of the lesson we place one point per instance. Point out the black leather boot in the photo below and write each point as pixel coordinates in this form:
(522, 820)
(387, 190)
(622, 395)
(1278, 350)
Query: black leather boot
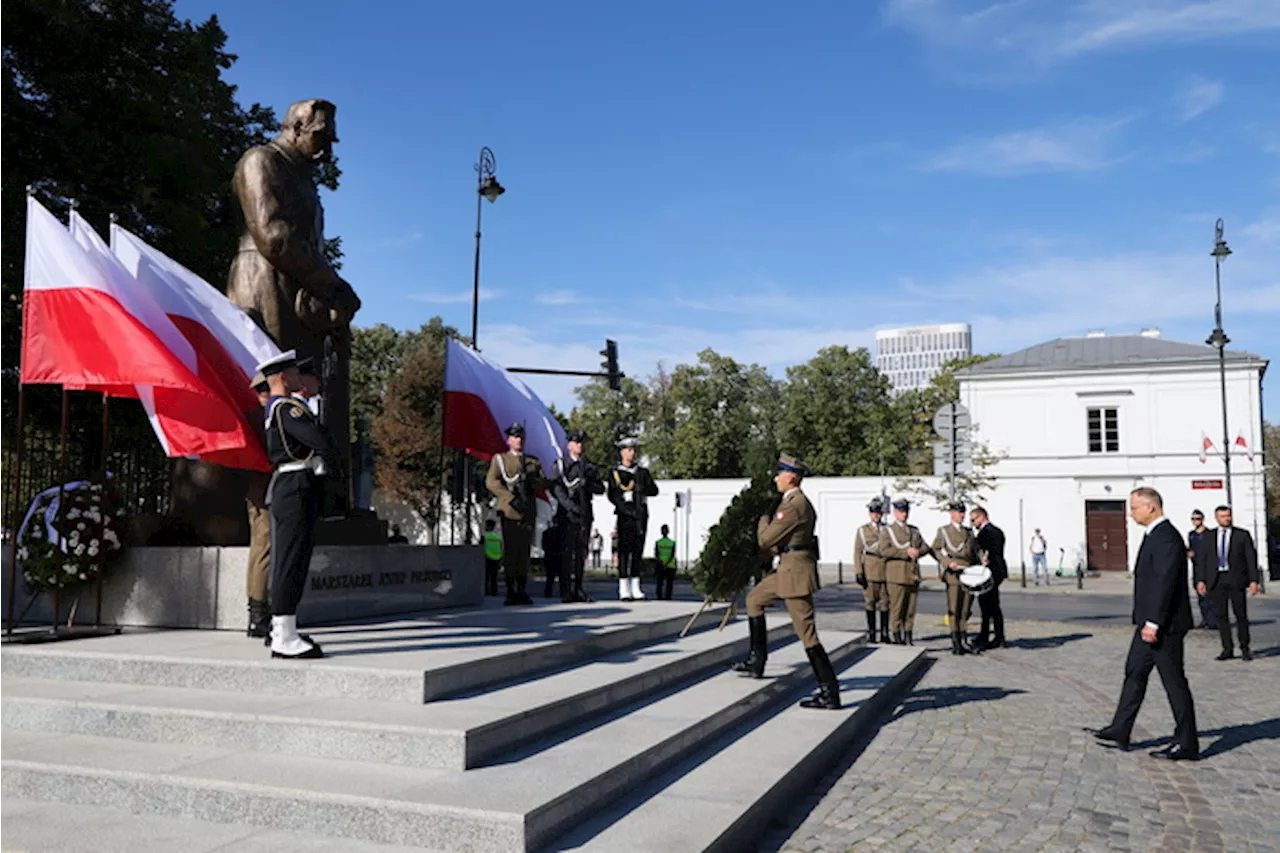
(898, 638)
(884, 626)
(999, 640)
(955, 645)
(828, 695)
(753, 665)
(259, 619)
(872, 636)
(968, 645)
(522, 590)
(511, 591)
(908, 636)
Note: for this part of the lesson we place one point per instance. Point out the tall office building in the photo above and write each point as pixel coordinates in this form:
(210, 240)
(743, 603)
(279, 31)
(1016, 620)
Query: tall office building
(912, 357)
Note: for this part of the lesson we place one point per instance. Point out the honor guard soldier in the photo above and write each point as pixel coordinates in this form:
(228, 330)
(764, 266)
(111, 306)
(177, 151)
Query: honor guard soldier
(630, 487)
(664, 554)
(870, 568)
(301, 451)
(902, 546)
(575, 481)
(259, 567)
(955, 550)
(788, 535)
(514, 478)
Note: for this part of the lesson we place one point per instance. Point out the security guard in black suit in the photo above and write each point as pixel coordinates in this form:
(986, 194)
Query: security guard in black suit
(301, 450)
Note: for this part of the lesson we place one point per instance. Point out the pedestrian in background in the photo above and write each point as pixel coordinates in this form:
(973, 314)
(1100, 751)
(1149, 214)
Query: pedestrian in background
(1039, 557)
(1208, 611)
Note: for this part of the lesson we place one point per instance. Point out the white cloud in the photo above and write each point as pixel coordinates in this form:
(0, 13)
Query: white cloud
(401, 241)
(453, 297)
(1043, 31)
(1081, 145)
(1198, 97)
(1266, 230)
(559, 297)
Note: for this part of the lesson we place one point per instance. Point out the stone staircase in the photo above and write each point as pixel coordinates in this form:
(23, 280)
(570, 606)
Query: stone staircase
(551, 728)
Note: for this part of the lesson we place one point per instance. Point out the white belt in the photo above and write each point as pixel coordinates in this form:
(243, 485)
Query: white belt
(290, 467)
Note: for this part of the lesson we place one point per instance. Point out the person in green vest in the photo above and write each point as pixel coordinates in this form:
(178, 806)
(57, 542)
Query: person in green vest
(664, 550)
(492, 557)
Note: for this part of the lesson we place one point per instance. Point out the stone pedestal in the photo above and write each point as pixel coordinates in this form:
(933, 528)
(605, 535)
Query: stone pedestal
(204, 587)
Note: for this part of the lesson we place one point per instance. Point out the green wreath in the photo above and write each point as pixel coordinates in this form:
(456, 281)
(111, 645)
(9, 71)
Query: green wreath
(86, 527)
(731, 558)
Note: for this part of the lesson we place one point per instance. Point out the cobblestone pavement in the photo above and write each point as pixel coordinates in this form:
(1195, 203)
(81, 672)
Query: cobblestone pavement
(988, 754)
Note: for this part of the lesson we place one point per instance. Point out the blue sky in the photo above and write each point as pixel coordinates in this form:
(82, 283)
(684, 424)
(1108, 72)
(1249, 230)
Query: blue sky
(767, 181)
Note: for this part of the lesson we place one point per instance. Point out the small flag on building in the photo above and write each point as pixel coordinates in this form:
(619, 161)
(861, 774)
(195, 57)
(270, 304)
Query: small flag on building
(1243, 443)
(1206, 444)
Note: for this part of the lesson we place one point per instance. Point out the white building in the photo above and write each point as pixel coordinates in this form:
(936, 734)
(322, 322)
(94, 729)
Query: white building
(912, 357)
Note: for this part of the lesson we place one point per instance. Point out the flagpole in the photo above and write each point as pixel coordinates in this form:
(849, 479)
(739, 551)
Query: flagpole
(20, 455)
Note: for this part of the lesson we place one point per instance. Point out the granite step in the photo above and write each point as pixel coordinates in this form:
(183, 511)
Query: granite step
(450, 733)
(721, 802)
(517, 805)
(415, 660)
(35, 827)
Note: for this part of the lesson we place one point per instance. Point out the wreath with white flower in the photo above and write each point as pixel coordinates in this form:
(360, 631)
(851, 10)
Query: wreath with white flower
(70, 535)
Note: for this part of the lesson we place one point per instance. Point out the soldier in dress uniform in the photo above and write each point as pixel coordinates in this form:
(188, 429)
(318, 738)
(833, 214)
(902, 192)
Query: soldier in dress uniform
(955, 550)
(259, 567)
(573, 484)
(301, 451)
(630, 487)
(869, 566)
(902, 546)
(788, 535)
(513, 479)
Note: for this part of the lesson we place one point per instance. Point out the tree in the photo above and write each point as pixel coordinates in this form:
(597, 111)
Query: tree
(410, 464)
(1271, 455)
(607, 416)
(378, 355)
(832, 414)
(718, 405)
(971, 487)
(915, 410)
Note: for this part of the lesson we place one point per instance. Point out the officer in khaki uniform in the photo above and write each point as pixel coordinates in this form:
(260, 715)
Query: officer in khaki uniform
(955, 550)
(788, 535)
(902, 546)
(259, 567)
(869, 566)
(513, 479)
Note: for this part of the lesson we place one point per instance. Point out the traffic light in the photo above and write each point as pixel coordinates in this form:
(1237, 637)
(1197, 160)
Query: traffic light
(610, 364)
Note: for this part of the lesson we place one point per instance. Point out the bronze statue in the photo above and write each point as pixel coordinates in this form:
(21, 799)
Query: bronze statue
(280, 277)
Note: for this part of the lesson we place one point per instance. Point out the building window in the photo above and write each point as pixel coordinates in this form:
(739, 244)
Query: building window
(1104, 430)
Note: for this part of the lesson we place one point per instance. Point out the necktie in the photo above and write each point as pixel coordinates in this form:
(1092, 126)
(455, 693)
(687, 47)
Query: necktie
(1222, 550)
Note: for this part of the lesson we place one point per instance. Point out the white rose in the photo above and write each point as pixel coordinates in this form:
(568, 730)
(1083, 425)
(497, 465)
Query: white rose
(94, 543)
(22, 553)
(69, 568)
(75, 513)
(37, 533)
(83, 576)
(80, 550)
(93, 552)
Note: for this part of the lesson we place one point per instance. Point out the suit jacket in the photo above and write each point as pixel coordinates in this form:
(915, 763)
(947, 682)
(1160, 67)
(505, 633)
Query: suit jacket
(789, 534)
(895, 539)
(1242, 559)
(515, 488)
(866, 553)
(991, 539)
(1160, 581)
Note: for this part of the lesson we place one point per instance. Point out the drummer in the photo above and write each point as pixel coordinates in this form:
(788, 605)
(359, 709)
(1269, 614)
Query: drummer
(956, 550)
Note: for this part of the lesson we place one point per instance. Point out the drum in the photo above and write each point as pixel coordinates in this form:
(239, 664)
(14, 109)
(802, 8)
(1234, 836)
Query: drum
(977, 579)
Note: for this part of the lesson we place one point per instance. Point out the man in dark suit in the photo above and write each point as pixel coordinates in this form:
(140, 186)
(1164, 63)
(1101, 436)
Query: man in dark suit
(1162, 614)
(1208, 607)
(1227, 568)
(990, 543)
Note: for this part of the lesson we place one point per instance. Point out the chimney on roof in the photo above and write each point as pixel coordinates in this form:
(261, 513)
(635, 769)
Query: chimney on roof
(1153, 332)
(1096, 333)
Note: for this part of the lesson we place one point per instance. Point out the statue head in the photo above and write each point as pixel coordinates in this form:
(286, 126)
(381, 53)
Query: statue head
(310, 128)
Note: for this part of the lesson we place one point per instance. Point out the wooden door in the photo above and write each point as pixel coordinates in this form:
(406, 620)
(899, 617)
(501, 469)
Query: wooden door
(1107, 535)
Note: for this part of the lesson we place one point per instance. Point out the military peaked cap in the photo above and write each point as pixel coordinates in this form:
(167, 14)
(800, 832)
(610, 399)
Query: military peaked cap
(575, 435)
(516, 430)
(279, 363)
(795, 466)
(902, 504)
(629, 441)
(956, 506)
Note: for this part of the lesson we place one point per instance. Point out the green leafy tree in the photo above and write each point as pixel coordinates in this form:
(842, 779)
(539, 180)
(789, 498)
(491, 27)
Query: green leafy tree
(833, 414)
(972, 486)
(607, 416)
(717, 404)
(731, 557)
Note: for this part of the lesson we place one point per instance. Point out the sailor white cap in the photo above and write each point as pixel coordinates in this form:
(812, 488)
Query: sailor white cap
(279, 363)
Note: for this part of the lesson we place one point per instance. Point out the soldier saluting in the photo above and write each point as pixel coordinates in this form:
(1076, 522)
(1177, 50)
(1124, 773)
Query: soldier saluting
(869, 566)
(956, 550)
(902, 546)
(630, 487)
(513, 479)
(302, 451)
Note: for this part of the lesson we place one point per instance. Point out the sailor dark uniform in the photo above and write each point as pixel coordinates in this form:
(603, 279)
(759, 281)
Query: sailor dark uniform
(299, 448)
(573, 484)
(630, 488)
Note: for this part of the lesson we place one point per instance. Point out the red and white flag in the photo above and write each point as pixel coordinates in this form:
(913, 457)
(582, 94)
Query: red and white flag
(87, 325)
(1206, 444)
(1243, 443)
(481, 400)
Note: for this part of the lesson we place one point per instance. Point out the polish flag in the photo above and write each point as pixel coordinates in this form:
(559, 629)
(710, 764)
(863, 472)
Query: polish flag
(481, 400)
(1206, 444)
(87, 325)
(1242, 442)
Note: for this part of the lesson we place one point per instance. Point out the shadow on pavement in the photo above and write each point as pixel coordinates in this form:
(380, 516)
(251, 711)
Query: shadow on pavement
(1045, 642)
(1231, 737)
(946, 697)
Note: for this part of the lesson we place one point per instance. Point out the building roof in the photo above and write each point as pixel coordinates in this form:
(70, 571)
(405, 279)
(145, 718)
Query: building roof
(1105, 351)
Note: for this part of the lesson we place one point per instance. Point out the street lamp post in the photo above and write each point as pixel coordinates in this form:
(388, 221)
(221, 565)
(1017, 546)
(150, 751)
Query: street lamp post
(1218, 340)
(487, 187)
